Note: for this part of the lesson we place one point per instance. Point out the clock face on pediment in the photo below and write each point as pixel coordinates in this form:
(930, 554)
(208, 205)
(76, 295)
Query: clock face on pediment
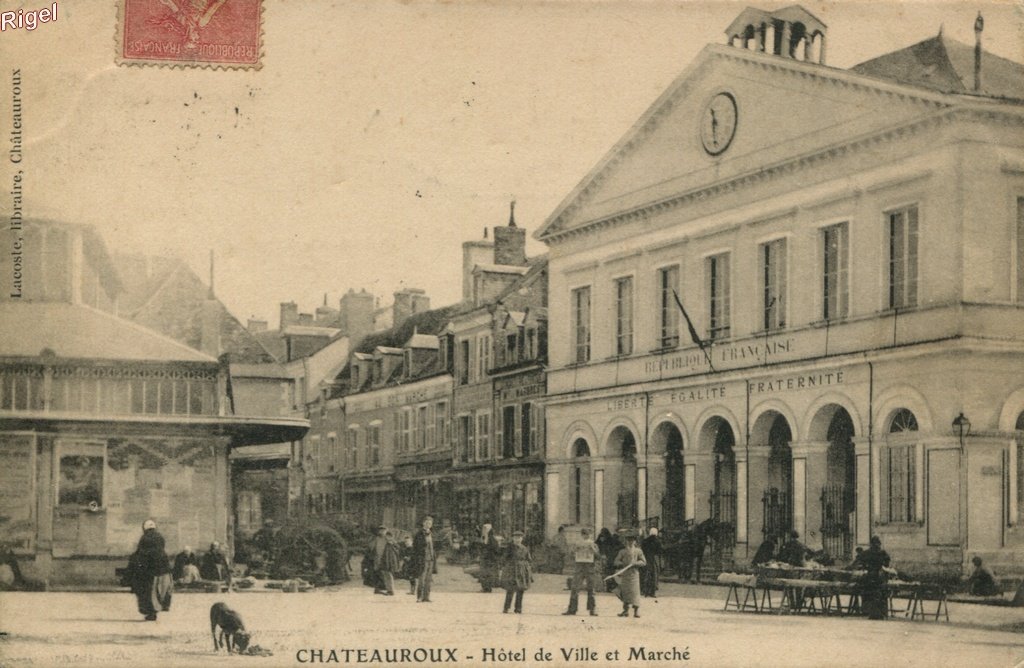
(718, 123)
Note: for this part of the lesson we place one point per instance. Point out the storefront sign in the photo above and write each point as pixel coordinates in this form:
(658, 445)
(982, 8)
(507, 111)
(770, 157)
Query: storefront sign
(789, 383)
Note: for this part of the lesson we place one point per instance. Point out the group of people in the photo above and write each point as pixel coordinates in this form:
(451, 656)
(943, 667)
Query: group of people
(634, 569)
(213, 566)
(414, 560)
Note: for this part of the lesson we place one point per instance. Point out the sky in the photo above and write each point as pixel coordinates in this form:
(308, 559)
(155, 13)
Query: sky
(378, 135)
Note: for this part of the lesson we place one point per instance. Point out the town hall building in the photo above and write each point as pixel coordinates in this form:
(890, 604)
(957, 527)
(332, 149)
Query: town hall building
(790, 298)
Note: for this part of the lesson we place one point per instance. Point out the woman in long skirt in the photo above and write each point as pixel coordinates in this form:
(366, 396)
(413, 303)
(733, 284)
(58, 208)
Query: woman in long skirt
(630, 558)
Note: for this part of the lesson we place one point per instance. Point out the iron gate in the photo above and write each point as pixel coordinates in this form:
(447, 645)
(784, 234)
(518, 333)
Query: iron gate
(777, 508)
(837, 508)
(721, 534)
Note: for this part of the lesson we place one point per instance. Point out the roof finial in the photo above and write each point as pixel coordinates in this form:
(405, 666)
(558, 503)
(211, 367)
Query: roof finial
(512, 212)
(325, 299)
(979, 25)
(485, 233)
(942, 27)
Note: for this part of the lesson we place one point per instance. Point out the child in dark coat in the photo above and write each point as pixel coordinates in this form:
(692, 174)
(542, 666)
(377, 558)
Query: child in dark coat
(517, 572)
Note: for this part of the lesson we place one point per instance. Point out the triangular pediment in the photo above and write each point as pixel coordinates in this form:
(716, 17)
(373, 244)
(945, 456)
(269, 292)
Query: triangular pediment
(784, 109)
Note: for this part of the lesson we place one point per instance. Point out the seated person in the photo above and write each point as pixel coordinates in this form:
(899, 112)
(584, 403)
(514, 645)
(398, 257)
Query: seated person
(793, 552)
(982, 581)
(765, 553)
(186, 566)
(214, 564)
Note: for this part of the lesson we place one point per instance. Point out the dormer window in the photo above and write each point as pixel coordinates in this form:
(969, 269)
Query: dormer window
(511, 344)
(355, 376)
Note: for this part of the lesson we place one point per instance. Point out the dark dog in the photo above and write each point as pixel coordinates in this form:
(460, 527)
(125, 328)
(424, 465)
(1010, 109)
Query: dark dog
(232, 631)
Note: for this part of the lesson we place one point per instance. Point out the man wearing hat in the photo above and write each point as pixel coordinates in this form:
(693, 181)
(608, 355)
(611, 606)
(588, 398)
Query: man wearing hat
(151, 573)
(517, 572)
(424, 559)
(490, 557)
(585, 554)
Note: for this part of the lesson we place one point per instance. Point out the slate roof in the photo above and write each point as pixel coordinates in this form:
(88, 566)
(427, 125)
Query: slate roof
(947, 66)
(167, 296)
(77, 331)
(425, 323)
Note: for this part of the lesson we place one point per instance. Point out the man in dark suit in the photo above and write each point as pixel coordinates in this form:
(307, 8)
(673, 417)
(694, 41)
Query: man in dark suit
(424, 559)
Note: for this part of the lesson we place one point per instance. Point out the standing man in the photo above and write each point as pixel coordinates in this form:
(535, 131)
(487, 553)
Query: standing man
(151, 574)
(585, 555)
(424, 559)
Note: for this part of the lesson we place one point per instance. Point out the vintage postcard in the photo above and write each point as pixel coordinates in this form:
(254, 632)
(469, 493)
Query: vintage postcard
(544, 333)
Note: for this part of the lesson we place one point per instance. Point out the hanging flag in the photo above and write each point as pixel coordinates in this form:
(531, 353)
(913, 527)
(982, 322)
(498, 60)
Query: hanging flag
(693, 331)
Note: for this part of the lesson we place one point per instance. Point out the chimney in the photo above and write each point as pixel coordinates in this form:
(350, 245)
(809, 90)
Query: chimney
(355, 317)
(979, 25)
(306, 319)
(256, 325)
(476, 252)
(510, 242)
(407, 301)
(289, 314)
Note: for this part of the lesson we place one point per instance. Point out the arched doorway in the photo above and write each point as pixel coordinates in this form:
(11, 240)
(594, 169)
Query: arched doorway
(621, 441)
(723, 497)
(669, 442)
(778, 494)
(839, 495)
(579, 505)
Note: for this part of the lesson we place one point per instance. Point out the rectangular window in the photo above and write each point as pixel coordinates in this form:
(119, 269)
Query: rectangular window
(466, 429)
(441, 418)
(581, 324)
(510, 431)
(526, 414)
(406, 430)
(332, 453)
(484, 355)
(903, 257)
(421, 428)
(624, 316)
(773, 284)
(668, 283)
(511, 349)
(373, 444)
(429, 442)
(483, 436)
(353, 448)
(717, 285)
(464, 362)
(396, 432)
(835, 302)
(898, 478)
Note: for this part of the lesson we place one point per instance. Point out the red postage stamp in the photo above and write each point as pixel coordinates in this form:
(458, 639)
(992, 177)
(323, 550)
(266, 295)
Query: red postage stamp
(217, 33)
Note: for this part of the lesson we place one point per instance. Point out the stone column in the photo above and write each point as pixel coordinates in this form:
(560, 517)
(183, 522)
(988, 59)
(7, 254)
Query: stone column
(821, 50)
(867, 499)
(757, 483)
(812, 457)
(552, 490)
(598, 499)
(741, 495)
(641, 493)
(698, 489)
(808, 45)
(784, 44)
(762, 32)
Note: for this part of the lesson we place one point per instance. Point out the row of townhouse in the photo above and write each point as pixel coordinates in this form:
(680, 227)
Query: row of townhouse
(441, 413)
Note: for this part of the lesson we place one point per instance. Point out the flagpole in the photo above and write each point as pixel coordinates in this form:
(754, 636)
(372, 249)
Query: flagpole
(693, 331)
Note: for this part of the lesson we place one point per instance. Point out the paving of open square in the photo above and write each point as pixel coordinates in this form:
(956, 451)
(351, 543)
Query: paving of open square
(103, 629)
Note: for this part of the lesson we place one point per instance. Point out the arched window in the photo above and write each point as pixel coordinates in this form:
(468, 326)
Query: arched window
(899, 469)
(580, 448)
(902, 420)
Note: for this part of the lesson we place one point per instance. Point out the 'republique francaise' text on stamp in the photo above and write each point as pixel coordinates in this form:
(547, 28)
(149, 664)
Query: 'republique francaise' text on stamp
(190, 33)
